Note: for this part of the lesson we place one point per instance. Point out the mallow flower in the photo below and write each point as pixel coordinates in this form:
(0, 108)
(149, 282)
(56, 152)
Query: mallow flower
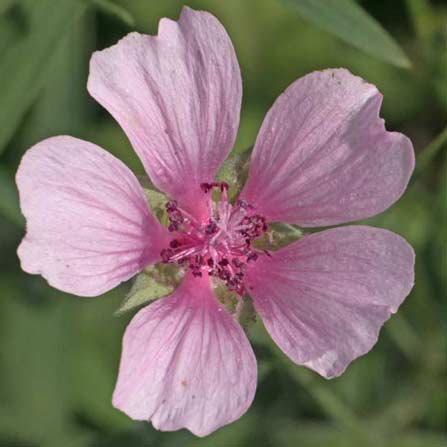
(322, 157)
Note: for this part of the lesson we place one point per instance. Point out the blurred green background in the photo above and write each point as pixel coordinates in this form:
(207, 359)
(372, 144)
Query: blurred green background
(59, 354)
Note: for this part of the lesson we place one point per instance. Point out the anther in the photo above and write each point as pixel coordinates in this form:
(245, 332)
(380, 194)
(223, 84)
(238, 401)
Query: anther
(173, 226)
(236, 262)
(171, 205)
(220, 246)
(211, 227)
(199, 260)
(206, 187)
(166, 254)
(243, 204)
(224, 274)
(252, 256)
(174, 243)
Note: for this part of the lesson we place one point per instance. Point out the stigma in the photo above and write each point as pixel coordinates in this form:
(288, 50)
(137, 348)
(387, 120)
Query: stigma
(220, 246)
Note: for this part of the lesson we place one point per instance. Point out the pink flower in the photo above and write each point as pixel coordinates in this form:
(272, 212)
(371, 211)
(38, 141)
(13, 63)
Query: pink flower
(322, 157)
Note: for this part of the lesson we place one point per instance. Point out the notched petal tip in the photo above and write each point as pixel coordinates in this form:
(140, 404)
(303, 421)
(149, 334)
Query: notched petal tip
(323, 155)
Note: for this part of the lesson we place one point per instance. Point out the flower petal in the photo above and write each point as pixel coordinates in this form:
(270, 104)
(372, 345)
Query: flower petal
(324, 298)
(186, 363)
(323, 156)
(88, 224)
(177, 96)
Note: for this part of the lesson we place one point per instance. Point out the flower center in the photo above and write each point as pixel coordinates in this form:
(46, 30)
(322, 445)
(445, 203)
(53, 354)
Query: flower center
(221, 246)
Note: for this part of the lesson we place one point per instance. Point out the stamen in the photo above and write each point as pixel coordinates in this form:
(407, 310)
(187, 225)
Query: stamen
(211, 228)
(252, 256)
(221, 246)
(174, 243)
(166, 254)
(206, 187)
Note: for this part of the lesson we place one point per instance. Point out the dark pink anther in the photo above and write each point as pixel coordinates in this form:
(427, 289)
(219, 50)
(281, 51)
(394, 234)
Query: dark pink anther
(224, 274)
(211, 228)
(174, 243)
(200, 260)
(252, 256)
(171, 205)
(166, 254)
(236, 262)
(206, 187)
(243, 204)
(221, 244)
(172, 227)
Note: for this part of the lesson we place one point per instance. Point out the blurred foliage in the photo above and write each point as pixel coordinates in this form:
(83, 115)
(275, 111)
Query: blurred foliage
(348, 21)
(59, 354)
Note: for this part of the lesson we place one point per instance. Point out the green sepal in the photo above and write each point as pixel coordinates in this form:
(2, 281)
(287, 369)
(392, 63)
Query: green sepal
(246, 312)
(152, 283)
(157, 202)
(283, 234)
(234, 171)
(278, 236)
(240, 307)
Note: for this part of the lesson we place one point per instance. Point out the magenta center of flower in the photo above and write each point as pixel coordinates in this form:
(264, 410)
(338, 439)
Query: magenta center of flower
(221, 245)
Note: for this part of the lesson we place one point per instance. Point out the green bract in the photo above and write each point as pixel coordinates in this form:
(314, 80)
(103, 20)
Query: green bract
(153, 282)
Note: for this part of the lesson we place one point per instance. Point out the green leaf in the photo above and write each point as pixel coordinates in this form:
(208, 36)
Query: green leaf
(25, 67)
(349, 22)
(115, 10)
(152, 283)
